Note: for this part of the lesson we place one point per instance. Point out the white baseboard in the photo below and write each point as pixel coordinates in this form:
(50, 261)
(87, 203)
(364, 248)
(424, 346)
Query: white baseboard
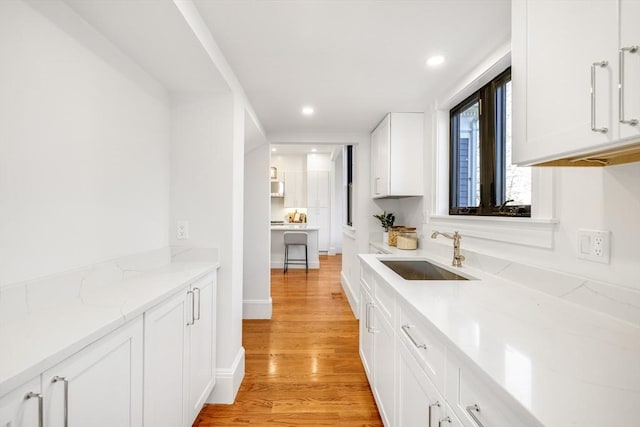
(256, 308)
(228, 381)
(352, 296)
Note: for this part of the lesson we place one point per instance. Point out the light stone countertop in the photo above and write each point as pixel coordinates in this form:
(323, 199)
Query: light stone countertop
(294, 227)
(38, 341)
(575, 366)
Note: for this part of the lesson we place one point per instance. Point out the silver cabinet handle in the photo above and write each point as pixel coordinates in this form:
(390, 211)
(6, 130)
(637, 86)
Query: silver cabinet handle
(600, 64)
(444, 420)
(471, 409)
(366, 317)
(621, 119)
(193, 303)
(38, 396)
(66, 397)
(198, 316)
(431, 406)
(405, 329)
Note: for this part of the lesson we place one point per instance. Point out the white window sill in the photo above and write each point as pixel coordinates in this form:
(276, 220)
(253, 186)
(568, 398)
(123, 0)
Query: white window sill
(519, 231)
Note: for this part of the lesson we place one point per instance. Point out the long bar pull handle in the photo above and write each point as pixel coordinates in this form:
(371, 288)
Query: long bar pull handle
(621, 119)
(66, 397)
(197, 289)
(405, 329)
(366, 318)
(372, 327)
(193, 303)
(437, 404)
(600, 64)
(472, 409)
(444, 420)
(38, 396)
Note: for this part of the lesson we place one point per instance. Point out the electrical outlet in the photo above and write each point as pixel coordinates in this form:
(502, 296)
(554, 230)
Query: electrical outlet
(594, 245)
(182, 230)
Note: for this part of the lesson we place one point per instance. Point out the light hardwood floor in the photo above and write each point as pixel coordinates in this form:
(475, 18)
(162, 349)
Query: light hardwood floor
(302, 366)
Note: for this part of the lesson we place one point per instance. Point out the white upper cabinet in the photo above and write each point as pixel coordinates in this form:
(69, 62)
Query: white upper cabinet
(318, 192)
(396, 156)
(630, 65)
(565, 71)
(294, 196)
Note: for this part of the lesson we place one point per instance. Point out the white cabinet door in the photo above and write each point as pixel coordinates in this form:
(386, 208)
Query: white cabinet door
(103, 383)
(629, 37)
(380, 140)
(555, 44)
(366, 333)
(294, 190)
(164, 362)
(202, 354)
(18, 410)
(318, 193)
(321, 217)
(384, 352)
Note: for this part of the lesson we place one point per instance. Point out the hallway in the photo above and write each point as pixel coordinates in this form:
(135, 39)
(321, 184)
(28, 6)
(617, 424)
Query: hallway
(302, 366)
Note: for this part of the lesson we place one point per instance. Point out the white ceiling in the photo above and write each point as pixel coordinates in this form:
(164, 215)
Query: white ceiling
(155, 35)
(352, 60)
(302, 148)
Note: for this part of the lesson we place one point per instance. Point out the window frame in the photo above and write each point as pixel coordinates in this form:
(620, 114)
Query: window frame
(491, 188)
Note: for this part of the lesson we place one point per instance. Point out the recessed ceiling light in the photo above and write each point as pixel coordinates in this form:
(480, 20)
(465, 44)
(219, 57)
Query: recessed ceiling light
(313, 150)
(307, 111)
(434, 61)
(274, 149)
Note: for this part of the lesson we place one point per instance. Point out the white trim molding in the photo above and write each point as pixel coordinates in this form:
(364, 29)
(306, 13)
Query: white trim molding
(257, 308)
(228, 381)
(352, 297)
(520, 231)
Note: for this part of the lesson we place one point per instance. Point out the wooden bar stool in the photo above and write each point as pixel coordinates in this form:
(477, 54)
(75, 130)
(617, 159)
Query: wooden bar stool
(295, 238)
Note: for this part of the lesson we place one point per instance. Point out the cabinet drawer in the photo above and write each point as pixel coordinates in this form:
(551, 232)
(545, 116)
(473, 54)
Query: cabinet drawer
(480, 403)
(366, 277)
(423, 343)
(385, 299)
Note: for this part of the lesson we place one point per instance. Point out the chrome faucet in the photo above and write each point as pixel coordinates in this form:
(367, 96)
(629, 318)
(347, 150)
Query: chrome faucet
(457, 257)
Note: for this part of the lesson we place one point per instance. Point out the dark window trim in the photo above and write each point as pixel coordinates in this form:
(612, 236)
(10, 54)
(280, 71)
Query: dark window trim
(492, 153)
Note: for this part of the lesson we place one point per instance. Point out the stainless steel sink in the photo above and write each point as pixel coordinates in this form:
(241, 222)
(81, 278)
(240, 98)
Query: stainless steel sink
(421, 270)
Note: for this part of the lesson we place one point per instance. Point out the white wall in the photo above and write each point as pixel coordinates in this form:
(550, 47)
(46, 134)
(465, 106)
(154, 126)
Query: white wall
(84, 149)
(207, 168)
(257, 235)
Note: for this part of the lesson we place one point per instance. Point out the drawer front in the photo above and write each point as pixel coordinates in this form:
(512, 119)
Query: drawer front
(479, 403)
(366, 276)
(422, 341)
(385, 299)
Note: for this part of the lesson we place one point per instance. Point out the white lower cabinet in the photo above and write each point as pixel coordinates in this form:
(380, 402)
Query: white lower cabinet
(23, 406)
(417, 377)
(179, 362)
(384, 353)
(419, 403)
(366, 332)
(100, 386)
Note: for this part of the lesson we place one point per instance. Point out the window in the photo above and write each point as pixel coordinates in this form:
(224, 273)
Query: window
(482, 179)
(349, 185)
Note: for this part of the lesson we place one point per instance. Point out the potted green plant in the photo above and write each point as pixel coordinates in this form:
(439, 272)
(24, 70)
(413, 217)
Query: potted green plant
(386, 220)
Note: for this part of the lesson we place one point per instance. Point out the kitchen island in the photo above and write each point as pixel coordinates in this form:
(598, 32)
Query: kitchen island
(277, 245)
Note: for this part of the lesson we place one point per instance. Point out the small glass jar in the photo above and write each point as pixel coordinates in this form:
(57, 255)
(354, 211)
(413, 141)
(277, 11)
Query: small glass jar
(393, 234)
(407, 239)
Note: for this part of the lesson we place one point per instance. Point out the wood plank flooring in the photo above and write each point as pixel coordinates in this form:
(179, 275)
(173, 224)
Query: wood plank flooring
(302, 366)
